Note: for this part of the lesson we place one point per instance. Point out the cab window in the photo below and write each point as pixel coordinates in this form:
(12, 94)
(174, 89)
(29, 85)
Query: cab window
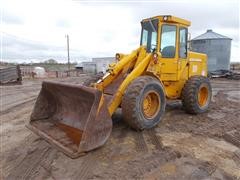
(168, 41)
(149, 34)
(183, 43)
(144, 37)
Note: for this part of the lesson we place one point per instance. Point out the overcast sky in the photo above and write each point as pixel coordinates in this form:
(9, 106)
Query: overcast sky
(35, 30)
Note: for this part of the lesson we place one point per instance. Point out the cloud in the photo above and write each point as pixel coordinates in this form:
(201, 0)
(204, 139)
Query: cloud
(63, 23)
(23, 49)
(8, 18)
(101, 29)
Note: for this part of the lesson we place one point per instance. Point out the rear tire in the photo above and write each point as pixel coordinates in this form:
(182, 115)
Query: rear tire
(196, 95)
(143, 103)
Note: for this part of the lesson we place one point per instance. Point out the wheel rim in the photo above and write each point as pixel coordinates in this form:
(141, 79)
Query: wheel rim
(203, 96)
(151, 104)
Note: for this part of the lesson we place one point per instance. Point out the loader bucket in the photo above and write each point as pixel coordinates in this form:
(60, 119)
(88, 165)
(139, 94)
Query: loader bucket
(73, 118)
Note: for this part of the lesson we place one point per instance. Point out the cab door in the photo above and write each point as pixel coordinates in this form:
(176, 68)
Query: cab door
(168, 49)
(182, 53)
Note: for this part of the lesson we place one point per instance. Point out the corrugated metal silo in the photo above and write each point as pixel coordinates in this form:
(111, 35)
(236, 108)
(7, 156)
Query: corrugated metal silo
(216, 46)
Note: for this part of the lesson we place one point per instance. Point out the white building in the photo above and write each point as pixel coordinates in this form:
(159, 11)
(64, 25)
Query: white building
(97, 65)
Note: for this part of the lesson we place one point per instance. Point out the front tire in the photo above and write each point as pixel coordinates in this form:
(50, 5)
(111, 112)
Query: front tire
(143, 103)
(196, 95)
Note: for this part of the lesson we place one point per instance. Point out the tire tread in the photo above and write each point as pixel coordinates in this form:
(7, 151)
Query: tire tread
(189, 99)
(129, 101)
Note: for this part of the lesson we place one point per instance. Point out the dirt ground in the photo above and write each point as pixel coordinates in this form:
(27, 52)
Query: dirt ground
(182, 146)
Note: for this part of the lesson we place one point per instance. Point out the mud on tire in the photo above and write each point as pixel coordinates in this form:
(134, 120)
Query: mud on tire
(194, 103)
(133, 109)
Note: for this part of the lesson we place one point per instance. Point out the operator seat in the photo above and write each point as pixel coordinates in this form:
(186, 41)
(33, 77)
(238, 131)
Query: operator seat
(168, 52)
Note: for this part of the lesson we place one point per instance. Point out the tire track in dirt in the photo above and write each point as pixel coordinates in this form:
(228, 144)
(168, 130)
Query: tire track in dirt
(18, 100)
(232, 137)
(18, 106)
(236, 156)
(87, 167)
(90, 162)
(204, 170)
(222, 82)
(121, 132)
(123, 135)
(17, 160)
(136, 167)
(30, 162)
(226, 89)
(207, 128)
(155, 140)
(45, 164)
(17, 91)
(140, 144)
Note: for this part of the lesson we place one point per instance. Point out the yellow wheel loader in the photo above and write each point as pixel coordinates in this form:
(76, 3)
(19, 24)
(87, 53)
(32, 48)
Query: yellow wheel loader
(77, 118)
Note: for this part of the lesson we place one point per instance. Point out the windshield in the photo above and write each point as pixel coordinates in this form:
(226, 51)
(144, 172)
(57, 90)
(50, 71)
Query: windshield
(149, 34)
(168, 41)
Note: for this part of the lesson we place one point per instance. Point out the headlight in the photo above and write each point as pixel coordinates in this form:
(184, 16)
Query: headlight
(155, 55)
(155, 58)
(165, 18)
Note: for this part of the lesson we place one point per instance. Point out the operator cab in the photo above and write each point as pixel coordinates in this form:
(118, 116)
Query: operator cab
(165, 29)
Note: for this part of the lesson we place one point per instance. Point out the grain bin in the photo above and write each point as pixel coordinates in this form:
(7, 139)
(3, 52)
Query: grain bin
(216, 46)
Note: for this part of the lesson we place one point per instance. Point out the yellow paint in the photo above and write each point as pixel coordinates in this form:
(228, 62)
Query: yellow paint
(202, 96)
(171, 72)
(151, 104)
(138, 71)
(170, 19)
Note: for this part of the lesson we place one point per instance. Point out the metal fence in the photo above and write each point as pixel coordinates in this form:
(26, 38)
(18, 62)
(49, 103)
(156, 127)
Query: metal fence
(62, 74)
(28, 72)
(10, 75)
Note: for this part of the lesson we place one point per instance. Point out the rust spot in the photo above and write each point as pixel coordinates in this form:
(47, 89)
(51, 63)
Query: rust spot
(74, 134)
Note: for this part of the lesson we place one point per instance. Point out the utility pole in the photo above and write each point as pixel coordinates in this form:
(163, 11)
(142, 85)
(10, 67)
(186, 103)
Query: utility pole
(68, 54)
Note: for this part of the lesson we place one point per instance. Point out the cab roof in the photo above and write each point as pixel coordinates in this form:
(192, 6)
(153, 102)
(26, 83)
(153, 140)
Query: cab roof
(170, 19)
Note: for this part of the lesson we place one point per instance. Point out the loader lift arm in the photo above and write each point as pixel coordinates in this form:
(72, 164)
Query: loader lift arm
(119, 68)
